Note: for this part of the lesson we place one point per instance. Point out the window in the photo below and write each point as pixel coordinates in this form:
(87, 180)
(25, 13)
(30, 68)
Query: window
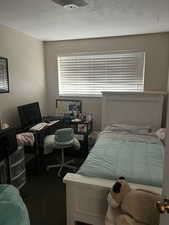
(89, 75)
(4, 82)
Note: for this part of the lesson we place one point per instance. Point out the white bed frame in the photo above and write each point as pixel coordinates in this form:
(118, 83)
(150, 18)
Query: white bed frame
(86, 197)
(132, 108)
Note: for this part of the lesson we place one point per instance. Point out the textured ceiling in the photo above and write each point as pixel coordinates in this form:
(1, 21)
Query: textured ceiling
(45, 20)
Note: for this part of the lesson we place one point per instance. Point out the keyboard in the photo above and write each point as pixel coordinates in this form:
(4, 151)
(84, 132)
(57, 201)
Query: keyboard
(38, 126)
(41, 125)
(52, 122)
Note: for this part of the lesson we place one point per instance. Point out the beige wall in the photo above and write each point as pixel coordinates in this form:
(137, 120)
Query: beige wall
(156, 47)
(26, 73)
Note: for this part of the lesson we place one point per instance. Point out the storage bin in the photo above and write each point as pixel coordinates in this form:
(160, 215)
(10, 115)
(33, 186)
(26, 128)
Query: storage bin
(19, 181)
(17, 168)
(16, 156)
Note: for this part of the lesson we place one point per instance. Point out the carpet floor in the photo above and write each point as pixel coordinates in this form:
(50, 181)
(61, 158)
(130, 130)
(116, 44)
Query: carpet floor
(45, 197)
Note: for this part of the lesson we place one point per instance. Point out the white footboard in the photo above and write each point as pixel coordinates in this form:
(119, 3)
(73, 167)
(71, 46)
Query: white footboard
(86, 198)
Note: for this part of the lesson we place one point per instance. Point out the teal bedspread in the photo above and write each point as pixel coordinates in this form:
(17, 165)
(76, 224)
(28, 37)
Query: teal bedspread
(137, 159)
(12, 208)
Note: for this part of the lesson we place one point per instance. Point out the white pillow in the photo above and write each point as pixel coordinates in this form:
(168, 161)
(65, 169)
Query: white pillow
(161, 133)
(131, 128)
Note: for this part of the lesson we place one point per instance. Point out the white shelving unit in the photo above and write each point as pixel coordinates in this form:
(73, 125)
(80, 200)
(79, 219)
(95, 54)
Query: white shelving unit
(12, 169)
(17, 168)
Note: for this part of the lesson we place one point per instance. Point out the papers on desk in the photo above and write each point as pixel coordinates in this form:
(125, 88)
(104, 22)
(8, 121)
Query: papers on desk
(42, 125)
(52, 122)
(76, 120)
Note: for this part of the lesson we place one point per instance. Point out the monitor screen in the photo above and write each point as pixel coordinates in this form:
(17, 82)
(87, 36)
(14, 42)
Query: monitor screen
(29, 114)
(8, 142)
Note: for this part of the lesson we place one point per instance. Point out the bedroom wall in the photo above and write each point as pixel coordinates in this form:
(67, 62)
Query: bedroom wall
(26, 73)
(156, 47)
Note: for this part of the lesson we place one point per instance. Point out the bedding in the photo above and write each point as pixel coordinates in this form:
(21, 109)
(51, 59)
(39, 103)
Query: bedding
(137, 157)
(12, 208)
(130, 128)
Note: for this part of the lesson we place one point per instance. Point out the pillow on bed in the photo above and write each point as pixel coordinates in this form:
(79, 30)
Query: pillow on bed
(161, 133)
(131, 128)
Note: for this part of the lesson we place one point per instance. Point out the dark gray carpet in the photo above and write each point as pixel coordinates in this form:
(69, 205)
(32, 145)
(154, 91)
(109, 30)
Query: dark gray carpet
(45, 196)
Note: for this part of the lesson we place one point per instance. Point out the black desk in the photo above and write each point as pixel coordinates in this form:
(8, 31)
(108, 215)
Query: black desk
(41, 134)
(37, 150)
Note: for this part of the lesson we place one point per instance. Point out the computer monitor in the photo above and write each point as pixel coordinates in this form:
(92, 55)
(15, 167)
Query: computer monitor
(8, 142)
(29, 114)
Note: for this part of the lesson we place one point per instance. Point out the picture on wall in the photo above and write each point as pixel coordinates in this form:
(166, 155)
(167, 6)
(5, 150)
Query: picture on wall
(67, 106)
(4, 79)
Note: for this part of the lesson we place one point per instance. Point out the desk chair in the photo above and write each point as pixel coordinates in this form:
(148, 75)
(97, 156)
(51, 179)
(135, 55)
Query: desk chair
(63, 138)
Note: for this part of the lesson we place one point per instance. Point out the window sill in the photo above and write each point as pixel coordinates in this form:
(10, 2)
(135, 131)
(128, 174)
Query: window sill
(81, 96)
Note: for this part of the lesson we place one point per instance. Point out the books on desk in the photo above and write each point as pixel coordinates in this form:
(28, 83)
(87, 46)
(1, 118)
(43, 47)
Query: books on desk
(42, 125)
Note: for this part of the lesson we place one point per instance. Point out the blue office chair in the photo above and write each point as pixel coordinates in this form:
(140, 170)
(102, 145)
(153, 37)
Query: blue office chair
(63, 138)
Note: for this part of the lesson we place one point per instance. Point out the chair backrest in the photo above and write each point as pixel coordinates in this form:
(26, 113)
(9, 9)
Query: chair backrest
(64, 135)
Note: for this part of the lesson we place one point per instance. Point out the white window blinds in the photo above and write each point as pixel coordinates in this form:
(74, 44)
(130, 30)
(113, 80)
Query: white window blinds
(89, 75)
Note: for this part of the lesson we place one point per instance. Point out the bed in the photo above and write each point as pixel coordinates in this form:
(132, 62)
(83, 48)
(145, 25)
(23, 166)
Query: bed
(141, 153)
(86, 191)
(12, 208)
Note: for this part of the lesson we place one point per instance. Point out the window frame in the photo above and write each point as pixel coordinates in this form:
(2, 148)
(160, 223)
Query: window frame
(6, 75)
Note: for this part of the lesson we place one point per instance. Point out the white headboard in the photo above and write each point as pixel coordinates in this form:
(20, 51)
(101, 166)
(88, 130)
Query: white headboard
(135, 108)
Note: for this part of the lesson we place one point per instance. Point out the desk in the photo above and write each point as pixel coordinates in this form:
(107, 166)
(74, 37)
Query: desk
(41, 134)
(37, 150)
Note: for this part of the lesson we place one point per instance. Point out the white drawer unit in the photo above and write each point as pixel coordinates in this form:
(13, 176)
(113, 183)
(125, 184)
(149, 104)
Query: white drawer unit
(17, 168)
(19, 181)
(16, 156)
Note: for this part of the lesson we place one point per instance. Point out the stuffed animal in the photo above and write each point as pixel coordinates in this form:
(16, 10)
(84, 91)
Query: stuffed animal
(137, 206)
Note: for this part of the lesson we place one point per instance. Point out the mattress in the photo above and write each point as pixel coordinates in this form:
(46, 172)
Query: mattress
(138, 158)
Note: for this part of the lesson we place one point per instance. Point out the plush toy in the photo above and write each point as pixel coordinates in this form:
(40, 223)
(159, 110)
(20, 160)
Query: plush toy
(136, 206)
